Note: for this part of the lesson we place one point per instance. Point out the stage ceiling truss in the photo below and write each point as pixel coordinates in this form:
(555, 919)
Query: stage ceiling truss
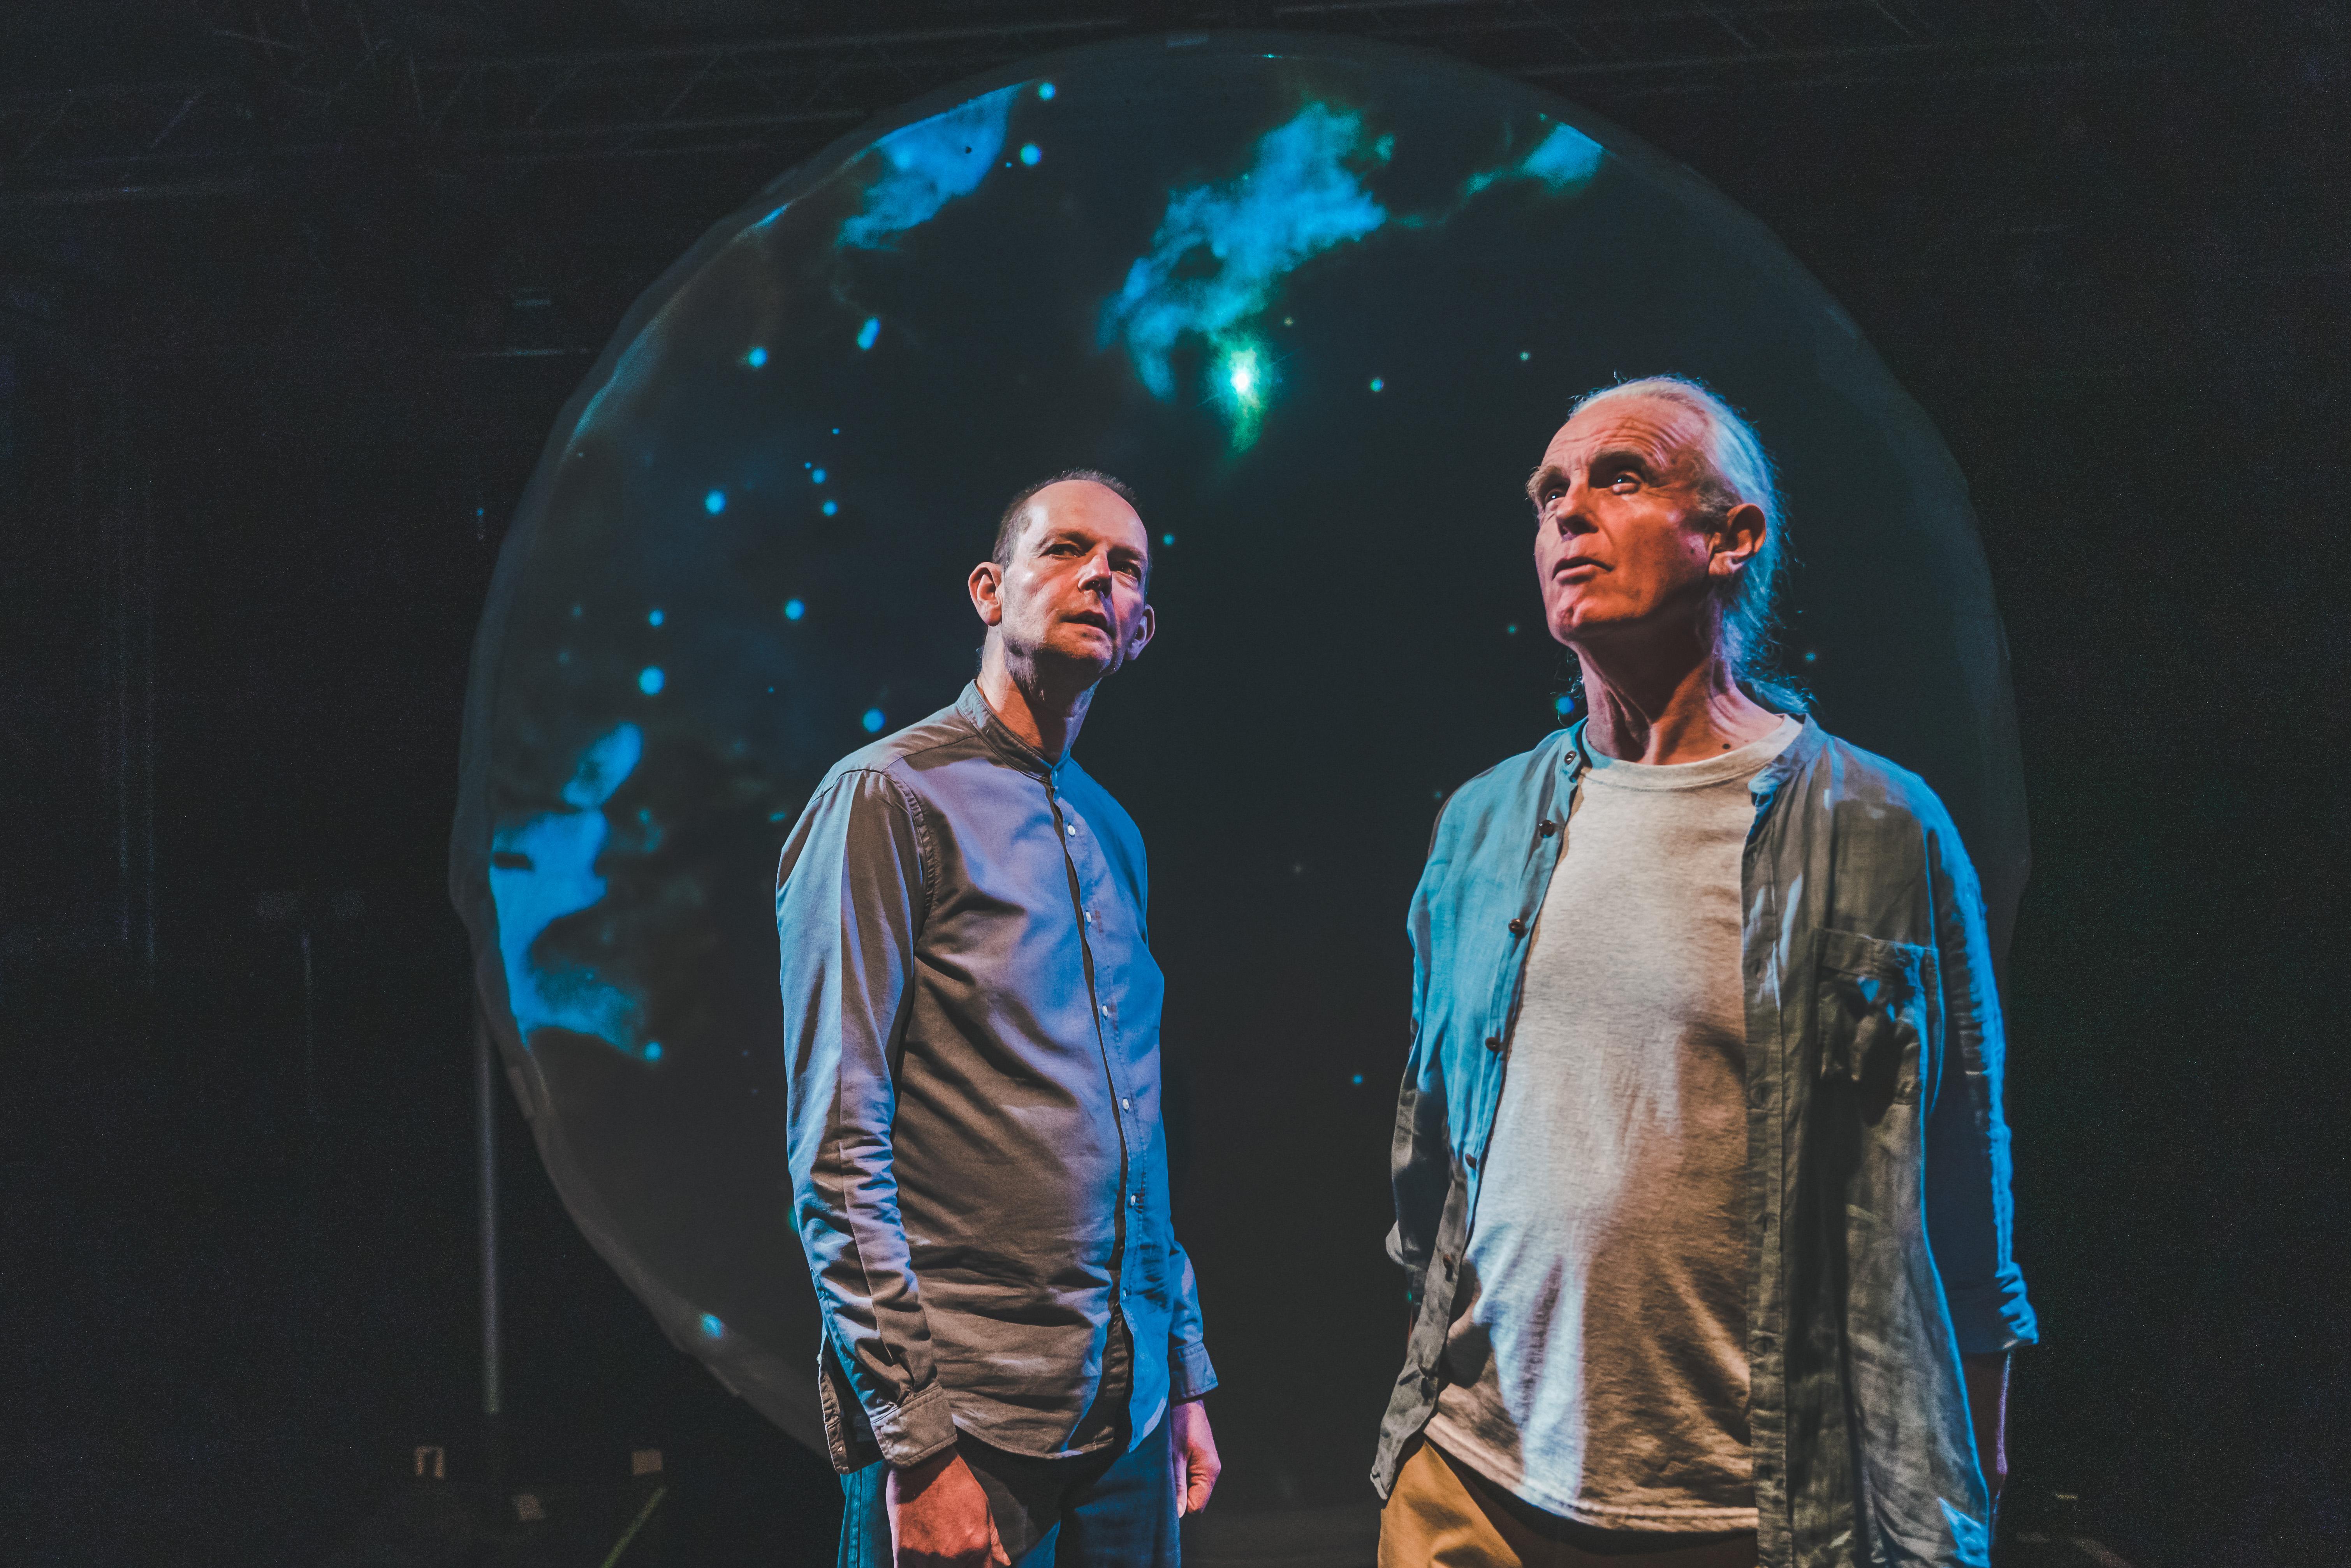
(289, 84)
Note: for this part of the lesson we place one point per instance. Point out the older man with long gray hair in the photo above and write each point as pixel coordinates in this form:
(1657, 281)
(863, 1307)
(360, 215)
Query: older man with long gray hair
(1702, 1176)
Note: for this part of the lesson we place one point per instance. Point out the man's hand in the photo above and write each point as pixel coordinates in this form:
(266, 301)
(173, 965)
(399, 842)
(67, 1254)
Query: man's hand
(939, 1517)
(1192, 1456)
(1987, 1378)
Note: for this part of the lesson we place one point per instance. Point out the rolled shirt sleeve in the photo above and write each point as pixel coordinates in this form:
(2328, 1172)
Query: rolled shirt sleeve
(1970, 1208)
(852, 894)
(1190, 1373)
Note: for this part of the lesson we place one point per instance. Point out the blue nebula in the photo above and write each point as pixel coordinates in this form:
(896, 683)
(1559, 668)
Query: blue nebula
(866, 335)
(543, 869)
(1220, 250)
(1565, 159)
(927, 165)
(830, 508)
(654, 619)
(1029, 154)
(756, 357)
(650, 680)
(872, 721)
(715, 502)
(794, 608)
(711, 1327)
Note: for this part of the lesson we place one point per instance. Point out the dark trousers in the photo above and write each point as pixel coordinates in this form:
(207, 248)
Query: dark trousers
(1114, 1508)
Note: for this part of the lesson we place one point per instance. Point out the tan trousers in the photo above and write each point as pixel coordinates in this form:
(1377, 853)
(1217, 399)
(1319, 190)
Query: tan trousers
(1443, 1514)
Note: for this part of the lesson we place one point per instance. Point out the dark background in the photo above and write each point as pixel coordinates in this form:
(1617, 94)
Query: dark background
(289, 298)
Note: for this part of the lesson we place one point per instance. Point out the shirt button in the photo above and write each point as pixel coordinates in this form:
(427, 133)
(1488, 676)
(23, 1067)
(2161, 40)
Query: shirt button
(1071, 830)
(1125, 1104)
(1105, 1007)
(1518, 927)
(1546, 826)
(1471, 1161)
(1493, 1042)
(1135, 1202)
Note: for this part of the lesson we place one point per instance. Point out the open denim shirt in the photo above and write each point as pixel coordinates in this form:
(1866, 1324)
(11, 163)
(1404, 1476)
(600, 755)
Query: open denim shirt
(1878, 1217)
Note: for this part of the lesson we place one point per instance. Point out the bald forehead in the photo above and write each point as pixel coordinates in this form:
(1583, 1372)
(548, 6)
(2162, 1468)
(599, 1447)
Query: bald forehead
(1660, 429)
(1084, 508)
(1082, 501)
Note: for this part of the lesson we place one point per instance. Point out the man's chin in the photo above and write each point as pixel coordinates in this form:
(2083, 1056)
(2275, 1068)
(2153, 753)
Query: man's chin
(1092, 653)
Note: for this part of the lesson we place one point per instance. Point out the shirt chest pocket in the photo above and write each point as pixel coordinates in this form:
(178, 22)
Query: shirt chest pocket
(1874, 999)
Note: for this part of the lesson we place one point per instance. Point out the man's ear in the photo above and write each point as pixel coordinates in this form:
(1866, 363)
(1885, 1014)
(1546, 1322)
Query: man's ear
(987, 585)
(1742, 533)
(1145, 625)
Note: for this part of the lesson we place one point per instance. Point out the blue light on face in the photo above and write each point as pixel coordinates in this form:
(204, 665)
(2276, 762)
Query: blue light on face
(794, 608)
(654, 619)
(1029, 154)
(650, 680)
(868, 332)
(1045, 91)
(715, 502)
(872, 721)
(756, 357)
(711, 1327)
(830, 508)
(817, 475)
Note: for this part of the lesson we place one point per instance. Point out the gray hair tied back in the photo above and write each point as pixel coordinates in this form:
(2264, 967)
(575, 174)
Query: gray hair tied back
(1738, 470)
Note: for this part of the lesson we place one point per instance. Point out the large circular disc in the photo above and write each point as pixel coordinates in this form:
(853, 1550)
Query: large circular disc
(1321, 304)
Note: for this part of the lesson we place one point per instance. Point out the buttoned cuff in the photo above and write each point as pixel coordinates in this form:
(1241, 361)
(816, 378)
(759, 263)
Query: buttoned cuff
(910, 1433)
(1190, 1374)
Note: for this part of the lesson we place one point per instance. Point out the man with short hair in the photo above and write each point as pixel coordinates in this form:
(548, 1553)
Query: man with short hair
(1012, 1358)
(1702, 1176)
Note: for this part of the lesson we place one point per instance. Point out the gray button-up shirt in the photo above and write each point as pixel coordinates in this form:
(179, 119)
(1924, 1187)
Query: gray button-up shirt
(1877, 1157)
(979, 1175)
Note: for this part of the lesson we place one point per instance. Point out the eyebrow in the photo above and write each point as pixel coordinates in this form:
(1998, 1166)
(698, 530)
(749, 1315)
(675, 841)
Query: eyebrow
(1061, 532)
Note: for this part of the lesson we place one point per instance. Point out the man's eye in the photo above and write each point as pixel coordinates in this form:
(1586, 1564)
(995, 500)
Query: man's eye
(1624, 482)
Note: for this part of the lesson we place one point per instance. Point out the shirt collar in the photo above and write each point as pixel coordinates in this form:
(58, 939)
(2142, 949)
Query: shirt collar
(1795, 756)
(1010, 748)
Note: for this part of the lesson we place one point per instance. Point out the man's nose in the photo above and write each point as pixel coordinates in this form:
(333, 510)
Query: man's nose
(1097, 574)
(1568, 514)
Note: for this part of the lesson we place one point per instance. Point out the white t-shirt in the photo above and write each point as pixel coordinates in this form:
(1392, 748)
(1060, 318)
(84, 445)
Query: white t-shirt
(1598, 1361)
